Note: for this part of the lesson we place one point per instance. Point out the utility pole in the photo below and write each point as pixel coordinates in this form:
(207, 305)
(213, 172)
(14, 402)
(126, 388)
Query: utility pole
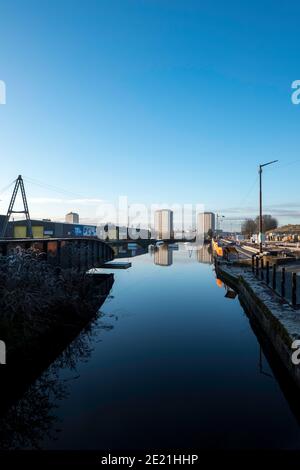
(260, 170)
(19, 185)
(218, 221)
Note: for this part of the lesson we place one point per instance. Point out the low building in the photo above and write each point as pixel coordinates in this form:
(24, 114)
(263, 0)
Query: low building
(286, 233)
(46, 228)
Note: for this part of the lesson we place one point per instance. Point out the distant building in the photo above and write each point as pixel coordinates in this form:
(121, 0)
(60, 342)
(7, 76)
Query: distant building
(163, 224)
(206, 222)
(72, 218)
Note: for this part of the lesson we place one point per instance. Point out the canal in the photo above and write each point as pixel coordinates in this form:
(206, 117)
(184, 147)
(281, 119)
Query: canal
(172, 362)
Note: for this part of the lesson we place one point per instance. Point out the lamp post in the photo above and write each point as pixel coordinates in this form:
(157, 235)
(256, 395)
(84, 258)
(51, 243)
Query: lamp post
(260, 170)
(218, 221)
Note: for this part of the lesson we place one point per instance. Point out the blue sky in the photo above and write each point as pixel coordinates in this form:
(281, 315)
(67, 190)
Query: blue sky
(163, 101)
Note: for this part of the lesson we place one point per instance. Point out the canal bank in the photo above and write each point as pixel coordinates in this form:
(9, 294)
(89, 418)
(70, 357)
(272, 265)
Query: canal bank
(279, 321)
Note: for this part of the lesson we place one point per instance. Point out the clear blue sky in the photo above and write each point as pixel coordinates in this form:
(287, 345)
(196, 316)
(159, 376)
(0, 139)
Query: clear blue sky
(160, 100)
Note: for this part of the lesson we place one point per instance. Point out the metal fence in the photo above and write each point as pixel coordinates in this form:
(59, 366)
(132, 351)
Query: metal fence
(284, 283)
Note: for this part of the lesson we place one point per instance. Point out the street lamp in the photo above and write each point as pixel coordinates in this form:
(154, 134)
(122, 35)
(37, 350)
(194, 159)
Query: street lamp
(260, 204)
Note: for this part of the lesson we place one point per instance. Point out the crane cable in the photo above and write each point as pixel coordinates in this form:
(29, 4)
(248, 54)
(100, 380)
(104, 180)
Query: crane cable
(52, 188)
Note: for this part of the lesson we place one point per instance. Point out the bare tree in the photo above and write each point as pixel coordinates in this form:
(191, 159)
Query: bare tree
(269, 222)
(249, 227)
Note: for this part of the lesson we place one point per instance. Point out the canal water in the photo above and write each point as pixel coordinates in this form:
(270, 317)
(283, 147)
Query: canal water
(172, 362)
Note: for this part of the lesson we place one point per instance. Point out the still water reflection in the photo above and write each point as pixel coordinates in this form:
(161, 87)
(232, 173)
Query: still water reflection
(172, 362)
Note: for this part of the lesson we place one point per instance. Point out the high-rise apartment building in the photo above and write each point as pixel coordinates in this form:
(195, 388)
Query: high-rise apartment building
(72, 218)
(206, 222)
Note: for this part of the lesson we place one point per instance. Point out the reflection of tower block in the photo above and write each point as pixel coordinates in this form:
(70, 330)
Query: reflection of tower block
(204, 256)
(163, 256)
(163, 223)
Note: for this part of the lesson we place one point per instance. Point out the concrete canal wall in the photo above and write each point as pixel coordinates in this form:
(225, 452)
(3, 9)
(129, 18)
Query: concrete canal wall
(279, 321)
